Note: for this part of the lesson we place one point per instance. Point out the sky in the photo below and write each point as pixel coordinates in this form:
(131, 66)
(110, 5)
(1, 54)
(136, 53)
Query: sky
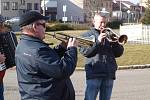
(135, 1)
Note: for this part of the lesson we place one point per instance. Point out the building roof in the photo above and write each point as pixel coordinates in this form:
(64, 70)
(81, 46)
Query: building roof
(129, 3)
(124, 5)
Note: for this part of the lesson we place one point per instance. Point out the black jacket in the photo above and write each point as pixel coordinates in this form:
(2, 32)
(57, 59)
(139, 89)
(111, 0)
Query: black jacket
(42, 72)
(100, 57)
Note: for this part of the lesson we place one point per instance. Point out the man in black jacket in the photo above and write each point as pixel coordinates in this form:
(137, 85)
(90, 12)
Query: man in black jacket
(100, 65)
(43, 72)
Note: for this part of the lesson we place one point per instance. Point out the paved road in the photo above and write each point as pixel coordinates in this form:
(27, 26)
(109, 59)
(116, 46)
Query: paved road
(133, 84)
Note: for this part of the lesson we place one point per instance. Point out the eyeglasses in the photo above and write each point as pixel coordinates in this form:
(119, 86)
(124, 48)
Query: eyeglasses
(42, 24)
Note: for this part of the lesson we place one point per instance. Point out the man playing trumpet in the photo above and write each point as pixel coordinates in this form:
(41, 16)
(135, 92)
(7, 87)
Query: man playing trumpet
(100, 65)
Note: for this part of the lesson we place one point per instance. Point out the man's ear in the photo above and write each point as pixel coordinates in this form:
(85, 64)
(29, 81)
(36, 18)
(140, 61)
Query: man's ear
(34, 27)
(92, 24)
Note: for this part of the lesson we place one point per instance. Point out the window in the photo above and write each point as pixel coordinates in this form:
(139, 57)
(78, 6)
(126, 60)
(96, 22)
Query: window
(6, 5)
(102, 5)
(29, 6)
(106, 4)
(14, 5)
(110, 4)
(36, 6)
(22, 2)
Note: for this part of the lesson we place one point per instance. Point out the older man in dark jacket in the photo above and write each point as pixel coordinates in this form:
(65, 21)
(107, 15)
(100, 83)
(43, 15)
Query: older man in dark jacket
(43, 72)
(100, 62)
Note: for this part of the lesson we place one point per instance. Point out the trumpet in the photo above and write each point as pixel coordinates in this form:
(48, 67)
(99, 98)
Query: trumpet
(114, 37)
(87, 42)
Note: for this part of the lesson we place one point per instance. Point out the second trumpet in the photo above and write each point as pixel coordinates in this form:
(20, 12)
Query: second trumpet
(88, 41)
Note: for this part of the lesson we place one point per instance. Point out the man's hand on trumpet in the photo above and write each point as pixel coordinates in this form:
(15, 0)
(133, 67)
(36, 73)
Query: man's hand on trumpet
(64, 44)
(102, 36)
(69, 43)
(72, 42)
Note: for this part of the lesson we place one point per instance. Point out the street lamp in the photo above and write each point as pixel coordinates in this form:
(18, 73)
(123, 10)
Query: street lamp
(120, 10)
(132, 17)
(128, 15)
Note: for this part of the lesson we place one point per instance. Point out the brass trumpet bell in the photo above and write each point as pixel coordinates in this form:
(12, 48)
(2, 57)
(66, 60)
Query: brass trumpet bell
(113, 37)
(123, 39)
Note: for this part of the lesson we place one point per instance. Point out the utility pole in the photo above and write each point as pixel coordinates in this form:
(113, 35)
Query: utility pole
(64, 10)
(44, 8)
(120, 10)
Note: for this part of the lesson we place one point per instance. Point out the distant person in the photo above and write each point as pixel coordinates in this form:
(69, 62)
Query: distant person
(43, 72)
(2, 73)
(3, 67)
(100, 65)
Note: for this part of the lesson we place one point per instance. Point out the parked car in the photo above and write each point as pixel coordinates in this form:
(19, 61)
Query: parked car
(13, 23)
(13, 20)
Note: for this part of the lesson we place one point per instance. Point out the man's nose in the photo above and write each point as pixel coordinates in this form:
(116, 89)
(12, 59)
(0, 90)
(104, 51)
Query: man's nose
(102, 24)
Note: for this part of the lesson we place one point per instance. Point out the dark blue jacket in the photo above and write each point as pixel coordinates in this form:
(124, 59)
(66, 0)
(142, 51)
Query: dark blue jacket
(42, 72)
(100, 57)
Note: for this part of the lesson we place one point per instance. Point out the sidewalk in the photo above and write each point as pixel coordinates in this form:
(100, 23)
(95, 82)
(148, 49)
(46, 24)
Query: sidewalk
(138, 86)
(125, 67)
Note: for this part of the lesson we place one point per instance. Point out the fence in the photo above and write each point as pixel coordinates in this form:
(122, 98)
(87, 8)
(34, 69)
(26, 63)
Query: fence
(137, 34)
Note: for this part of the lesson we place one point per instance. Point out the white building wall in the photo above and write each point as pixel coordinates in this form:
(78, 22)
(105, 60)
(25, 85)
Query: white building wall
(140, 36)
(74, 10)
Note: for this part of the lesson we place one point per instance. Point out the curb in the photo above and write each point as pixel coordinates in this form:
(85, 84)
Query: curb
(134, 67)
(123, 67)
(119, 67)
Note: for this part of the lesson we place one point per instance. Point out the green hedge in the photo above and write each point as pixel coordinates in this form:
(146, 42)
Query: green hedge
(67, 26)
(114, 24)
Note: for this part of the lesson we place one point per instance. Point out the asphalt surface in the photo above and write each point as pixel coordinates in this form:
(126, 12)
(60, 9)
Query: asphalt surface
(131, 84)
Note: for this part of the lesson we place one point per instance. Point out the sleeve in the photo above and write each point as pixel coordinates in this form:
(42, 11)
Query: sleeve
(52, 65)
(91, 50)
(117, 49)
(60, 50)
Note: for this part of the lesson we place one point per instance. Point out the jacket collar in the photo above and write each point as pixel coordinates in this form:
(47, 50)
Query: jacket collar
(94, 29)
(31, 38)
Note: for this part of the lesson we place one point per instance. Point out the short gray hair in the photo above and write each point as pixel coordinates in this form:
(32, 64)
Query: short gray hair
(27, 27)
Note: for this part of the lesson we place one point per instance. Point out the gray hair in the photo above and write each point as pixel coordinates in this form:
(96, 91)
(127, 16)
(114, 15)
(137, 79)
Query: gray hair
(27, 27)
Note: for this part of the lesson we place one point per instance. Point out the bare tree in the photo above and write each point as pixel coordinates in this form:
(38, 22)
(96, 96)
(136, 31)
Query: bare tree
(146, 18)
(91, 7)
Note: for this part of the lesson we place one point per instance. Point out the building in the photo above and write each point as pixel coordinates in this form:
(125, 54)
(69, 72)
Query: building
(74, 10)
(127, 11)
(49, 8)
(14, 8)
(63, 10)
